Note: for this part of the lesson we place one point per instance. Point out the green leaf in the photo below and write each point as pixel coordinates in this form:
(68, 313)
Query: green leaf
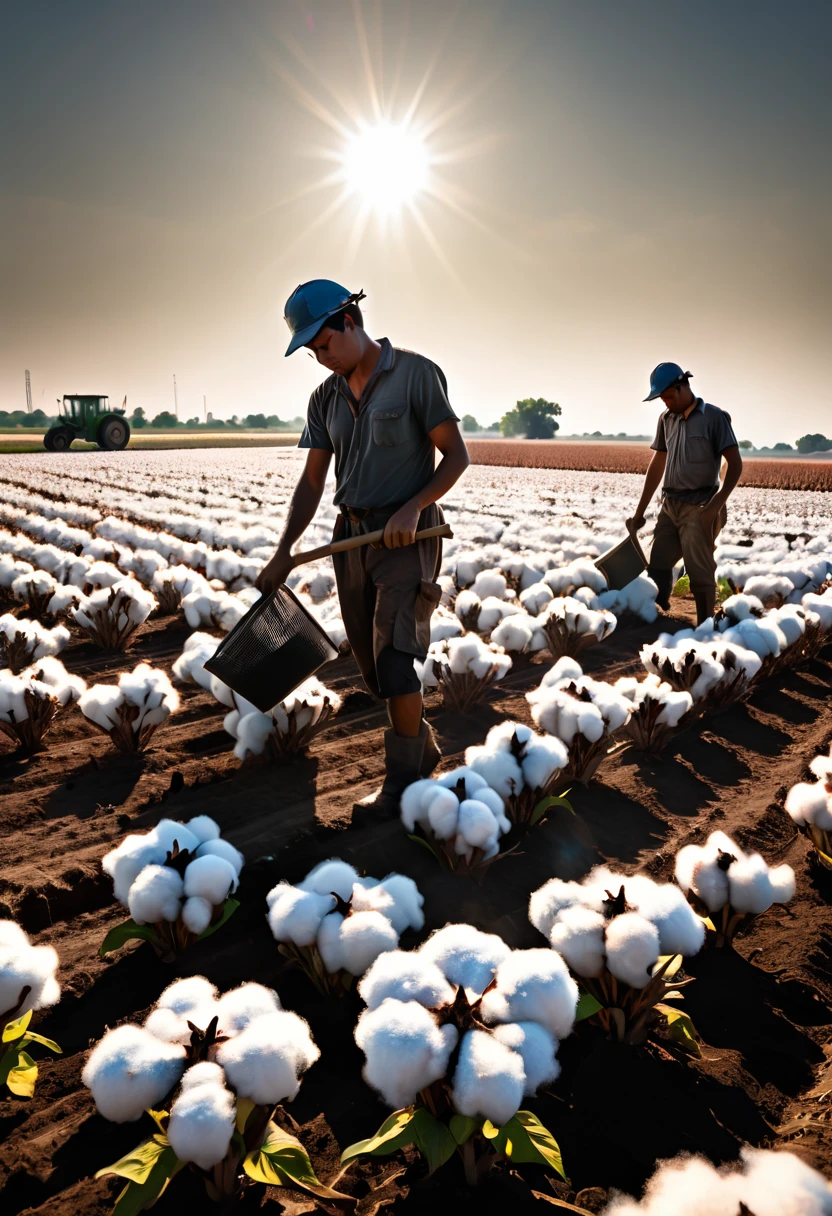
(138, 1165)
(228, 909)
(138, 1196)
(409, 1126)
(682, 586)
(282, 1160)
(681, 1029)
(121, 934)
(244, 1108)
(524, 1138)
(547, 803)
(463, 1127)
(424, 843)
(22, 1076)
(15, 1029)
(31, 1037)
(674, 962)
(433, 1139)
(587, 1007)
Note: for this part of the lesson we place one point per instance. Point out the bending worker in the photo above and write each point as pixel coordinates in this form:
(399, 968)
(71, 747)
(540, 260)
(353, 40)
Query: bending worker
(691, 438)
(383, 413)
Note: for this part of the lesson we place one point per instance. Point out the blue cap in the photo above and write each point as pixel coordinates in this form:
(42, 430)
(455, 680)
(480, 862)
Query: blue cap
(664, 377)
(310, 304)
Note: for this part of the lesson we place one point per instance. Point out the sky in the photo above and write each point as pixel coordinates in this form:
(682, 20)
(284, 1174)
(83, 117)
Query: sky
(606, 184)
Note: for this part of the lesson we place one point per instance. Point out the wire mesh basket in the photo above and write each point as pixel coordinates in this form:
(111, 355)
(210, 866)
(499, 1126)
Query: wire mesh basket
(273, 648)
(621, 564)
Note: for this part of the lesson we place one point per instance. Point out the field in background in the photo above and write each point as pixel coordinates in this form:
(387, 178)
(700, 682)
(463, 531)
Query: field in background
(159, 441)
(788, 474)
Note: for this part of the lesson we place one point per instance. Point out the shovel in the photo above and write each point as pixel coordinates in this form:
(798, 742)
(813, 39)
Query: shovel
(278, 644)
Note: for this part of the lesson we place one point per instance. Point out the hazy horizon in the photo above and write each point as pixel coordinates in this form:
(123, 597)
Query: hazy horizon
(609, 186)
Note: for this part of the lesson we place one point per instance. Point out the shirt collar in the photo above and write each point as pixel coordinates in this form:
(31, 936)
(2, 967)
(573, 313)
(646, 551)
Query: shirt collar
(698, 405)
(386, 361)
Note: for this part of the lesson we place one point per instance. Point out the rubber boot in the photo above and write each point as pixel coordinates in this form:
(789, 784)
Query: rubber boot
(403, 761)
(704, 605)
(664, 581)
(432, 755)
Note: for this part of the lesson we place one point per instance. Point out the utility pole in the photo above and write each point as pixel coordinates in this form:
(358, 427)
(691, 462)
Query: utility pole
(204, 409)
(28, 392)
(175, 399)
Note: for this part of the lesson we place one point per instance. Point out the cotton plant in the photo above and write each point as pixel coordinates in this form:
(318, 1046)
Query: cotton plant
(35, 590)
(334, 924)
(210, 1070)
(716, 672)
(170, 584)
(455, 1036)
(143, 564)
(287, 730)
(111, 615)
(23, 641)
(809, 803)
(445, 624)
(638, 598)
(571, 626)
(27, 984)
(520, 633)
(624, 937)
(12, 568)
(459, 817)
(177, 881)
(765, 1182)
(585, 714)
(581, 572)
(464, 668)
(30, 702)
(730, 888)
(483, 616)
(217, 609)
(525, 769)
(131, 711)
(658, 711)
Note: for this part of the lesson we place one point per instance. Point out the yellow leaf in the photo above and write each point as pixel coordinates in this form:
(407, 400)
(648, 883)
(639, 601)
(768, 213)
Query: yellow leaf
(21, 1079)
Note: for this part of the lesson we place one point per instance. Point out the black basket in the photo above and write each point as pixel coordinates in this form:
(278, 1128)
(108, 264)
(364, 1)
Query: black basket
(273, 648)
(621, 564)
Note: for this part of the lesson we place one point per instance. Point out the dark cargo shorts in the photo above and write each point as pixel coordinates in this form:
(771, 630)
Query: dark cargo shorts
(387, 598)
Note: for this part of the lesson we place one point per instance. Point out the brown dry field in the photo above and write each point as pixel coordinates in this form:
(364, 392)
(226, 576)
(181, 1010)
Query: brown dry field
(789, 474)
(764, 1011)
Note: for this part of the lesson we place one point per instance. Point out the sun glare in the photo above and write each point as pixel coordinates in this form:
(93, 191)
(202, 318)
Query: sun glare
(387, 166)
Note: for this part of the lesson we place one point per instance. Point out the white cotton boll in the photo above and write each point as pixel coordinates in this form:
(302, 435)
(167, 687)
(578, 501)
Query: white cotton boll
(563, 670)
(498, 768)
(536, 1048)
(131, 1070)
(196, 914)
(513, 633)
(405, 912)
(477, 824)
(632, 945)
(578, 935)
(490, 583)
(405, 1050)
(224, 849)
(413, 802)
(467, 604)
(750, 887)
(125, 863)
(443, 814)
(202, 1117)
(535, 598)
(25, 966)
(462, 652)
(353, 943)
(782, 1184)
(239, 1007)
(155, 895)
(473, 781)
(489, 1080)
(507, 735)
(251, 731)
(444, 624)
(329, 876)
(101, 704)
(465, 956)
(681, 931)
(533, 986)
(782, 883)
(193, 998)
(169, 834)
(496, 806)
(543, 756)
(707, 878)
(810, 803)
(266, 1060)
(212, 878)
(546, 903)
(405, 976)
(295, 915)
(204, 828)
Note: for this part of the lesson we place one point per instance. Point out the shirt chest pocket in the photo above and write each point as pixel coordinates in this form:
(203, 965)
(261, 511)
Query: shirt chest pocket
(390, 426)
(699, 452)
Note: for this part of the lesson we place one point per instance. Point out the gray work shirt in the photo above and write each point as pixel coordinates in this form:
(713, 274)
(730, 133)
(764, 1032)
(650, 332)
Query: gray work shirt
(694, 446)
(383, 452)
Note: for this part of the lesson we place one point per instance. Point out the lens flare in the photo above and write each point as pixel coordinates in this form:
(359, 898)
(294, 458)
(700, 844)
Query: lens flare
(387, 166)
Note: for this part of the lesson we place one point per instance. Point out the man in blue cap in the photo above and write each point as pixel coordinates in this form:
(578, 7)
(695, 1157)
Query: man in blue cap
(383, 413)
(692, 437)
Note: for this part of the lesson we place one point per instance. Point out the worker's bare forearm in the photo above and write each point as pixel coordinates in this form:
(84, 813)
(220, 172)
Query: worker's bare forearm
(454, 462)
(652, 481)
(733, 472)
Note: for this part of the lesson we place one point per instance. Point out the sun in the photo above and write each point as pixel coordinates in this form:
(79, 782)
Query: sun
(387, 165)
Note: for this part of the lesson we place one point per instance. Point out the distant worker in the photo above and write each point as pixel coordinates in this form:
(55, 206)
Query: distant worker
(691, 438)
(383, 414)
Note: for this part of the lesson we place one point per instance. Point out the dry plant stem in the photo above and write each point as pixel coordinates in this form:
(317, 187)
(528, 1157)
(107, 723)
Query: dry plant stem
(722, 927)
(37, 603)
(122, 734)
(282, 748)
(461, 690)
(562, 641)
(169, 599)
(104, 630)
(16, 654)
(308, 959)
(627, 1013)
(475, 867)
(585, 757)
(646, 732)
(29, 733)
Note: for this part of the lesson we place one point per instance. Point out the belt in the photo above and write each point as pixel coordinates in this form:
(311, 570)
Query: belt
(357, 515)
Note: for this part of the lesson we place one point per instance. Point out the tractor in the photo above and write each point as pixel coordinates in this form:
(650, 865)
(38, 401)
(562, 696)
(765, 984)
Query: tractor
(87, 417)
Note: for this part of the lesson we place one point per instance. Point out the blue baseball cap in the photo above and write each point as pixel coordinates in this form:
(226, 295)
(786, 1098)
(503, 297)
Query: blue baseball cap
(663, 377)
(310, 304)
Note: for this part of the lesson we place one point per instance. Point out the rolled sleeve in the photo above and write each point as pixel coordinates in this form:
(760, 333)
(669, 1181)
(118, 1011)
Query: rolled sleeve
(659, 444)
(431, 398)
(723, 436)
(315, 433)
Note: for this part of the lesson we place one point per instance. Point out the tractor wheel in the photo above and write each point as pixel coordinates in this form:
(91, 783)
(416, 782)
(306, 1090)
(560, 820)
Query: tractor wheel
(47, 441)
(62, 437)
(113, 434)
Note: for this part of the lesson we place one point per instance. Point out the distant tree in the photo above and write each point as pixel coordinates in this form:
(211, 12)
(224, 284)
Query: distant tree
(273, 420)
(255, 420)
(746, 445)
(782, 447)
(138, 418)
(469, 423)
(192, 422)
(165, 420)
(621, 435)
(534, 417)
(813, 443)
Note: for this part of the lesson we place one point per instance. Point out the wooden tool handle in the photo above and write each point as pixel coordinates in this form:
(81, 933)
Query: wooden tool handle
(367, 538)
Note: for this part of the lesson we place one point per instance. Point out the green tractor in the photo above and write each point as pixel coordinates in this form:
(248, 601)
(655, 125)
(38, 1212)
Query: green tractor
(87, 417)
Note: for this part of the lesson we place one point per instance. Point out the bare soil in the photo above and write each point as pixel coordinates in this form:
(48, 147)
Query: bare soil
(764, 1011)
